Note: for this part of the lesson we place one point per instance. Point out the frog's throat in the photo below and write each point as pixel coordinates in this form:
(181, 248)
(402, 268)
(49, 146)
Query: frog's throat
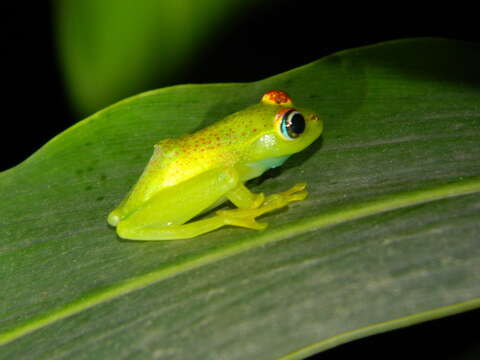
(254, 169)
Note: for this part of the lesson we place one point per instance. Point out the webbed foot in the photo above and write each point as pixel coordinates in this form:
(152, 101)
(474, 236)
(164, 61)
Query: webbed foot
(246, 217)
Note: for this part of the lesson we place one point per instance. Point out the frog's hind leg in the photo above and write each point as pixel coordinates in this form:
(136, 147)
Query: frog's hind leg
(253, 206)
(175, 232)
(163, 215)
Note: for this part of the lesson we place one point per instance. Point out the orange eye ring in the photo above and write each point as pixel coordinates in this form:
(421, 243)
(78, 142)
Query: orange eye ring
(289, 123)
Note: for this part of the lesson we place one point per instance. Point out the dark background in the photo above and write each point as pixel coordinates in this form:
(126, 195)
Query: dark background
(265, 39)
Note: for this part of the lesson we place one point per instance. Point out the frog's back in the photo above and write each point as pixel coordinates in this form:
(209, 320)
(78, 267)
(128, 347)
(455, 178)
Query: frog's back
(221, 144)
(177, 160)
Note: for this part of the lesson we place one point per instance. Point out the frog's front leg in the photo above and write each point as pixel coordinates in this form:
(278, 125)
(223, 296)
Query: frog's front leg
(245, 217)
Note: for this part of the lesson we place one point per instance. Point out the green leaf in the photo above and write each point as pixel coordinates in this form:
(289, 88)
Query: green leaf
(114, 48)
(388, 237)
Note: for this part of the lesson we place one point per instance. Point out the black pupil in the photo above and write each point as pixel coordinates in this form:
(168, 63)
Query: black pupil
(296, 124)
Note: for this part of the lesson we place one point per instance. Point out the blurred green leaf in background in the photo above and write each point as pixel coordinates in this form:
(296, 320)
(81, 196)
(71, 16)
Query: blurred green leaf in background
(111, 49)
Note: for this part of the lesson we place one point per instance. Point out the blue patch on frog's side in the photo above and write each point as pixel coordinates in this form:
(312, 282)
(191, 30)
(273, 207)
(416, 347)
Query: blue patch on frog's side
(272, 162)
(257, 168)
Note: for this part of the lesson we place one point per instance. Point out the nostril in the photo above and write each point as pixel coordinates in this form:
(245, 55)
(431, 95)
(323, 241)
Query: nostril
(314, 118)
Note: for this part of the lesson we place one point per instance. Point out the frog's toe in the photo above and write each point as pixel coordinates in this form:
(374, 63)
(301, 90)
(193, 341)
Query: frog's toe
(113, 218)
(296, 188)
(296, 193)
(299, 196)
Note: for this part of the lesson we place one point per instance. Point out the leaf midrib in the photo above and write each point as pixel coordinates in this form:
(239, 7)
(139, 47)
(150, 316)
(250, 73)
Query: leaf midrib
(333, 217)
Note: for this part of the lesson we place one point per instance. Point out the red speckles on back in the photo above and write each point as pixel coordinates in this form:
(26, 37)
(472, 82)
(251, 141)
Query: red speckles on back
(277, 97)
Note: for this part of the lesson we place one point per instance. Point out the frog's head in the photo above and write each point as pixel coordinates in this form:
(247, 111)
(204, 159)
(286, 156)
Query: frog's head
(287, 129)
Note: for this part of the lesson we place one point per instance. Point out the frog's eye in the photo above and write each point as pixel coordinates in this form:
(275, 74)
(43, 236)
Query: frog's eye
(292, 124)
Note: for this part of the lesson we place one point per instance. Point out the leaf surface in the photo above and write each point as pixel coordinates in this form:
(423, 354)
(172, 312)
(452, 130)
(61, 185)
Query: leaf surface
(389, 235)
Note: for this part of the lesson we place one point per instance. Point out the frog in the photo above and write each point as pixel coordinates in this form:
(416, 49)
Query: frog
(189, 176)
